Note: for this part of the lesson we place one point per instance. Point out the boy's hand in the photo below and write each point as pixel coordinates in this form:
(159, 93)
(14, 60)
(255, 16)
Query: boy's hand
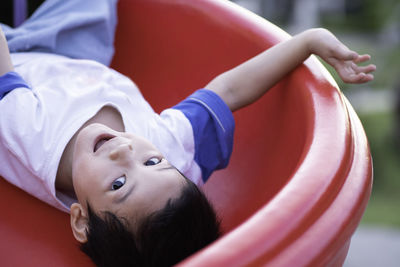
(247, 82)
(324, 44)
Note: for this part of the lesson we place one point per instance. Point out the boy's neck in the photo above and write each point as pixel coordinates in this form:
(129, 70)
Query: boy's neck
(108, 116)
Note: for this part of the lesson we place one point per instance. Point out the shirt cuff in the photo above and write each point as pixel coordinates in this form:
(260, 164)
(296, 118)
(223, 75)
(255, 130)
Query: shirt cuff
(10, 81)
(213, 127)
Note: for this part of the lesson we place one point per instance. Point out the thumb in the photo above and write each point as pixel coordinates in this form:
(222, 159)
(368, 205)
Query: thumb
(344, 53)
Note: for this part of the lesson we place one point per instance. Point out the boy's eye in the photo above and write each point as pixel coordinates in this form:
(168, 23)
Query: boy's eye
(118, 183)
(152, 161)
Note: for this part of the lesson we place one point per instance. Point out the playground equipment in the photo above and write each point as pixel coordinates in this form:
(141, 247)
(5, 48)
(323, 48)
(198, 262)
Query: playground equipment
(300, 174)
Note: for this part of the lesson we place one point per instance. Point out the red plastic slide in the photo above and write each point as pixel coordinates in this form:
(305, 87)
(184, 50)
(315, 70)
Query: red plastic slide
(300, 174)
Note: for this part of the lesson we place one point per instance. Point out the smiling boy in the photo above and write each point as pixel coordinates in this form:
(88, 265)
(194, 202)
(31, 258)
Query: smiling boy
(124, 174)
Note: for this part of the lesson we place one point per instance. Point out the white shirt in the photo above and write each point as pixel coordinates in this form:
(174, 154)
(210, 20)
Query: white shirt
(37, 124)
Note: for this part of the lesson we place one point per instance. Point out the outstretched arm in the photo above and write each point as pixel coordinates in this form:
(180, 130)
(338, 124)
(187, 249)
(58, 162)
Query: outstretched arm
(5, 60)
(247, 82)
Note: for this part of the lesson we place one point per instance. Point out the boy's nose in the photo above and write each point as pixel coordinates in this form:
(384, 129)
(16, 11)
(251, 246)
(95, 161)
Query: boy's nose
(121, 151)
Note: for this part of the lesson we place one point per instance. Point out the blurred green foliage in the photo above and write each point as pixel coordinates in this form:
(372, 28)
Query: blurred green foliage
(362, 16)
(361, 29)
(384, 205)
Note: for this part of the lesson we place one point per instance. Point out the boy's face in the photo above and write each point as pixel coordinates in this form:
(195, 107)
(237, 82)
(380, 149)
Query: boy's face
(122, 173)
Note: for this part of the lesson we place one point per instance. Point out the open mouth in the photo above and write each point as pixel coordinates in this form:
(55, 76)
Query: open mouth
(101, 140)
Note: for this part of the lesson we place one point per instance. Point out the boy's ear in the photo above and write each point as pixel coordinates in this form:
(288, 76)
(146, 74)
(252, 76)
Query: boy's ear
(79, 221)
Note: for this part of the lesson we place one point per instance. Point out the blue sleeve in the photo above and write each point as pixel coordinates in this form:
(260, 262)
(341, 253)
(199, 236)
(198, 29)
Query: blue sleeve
(213, 127)
(9, 82)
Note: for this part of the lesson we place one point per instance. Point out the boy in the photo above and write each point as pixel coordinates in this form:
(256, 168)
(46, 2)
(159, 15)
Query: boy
(117, 183)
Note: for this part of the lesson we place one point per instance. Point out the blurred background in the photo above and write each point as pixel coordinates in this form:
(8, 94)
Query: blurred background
(372, 27)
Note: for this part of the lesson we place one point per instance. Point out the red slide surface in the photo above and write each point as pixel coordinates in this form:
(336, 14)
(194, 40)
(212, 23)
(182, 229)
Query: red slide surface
(300, 174)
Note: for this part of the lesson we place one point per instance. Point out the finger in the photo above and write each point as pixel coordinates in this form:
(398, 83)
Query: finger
(359, 78)
(355, 78)
(365, 78)
(343, 53)
(362, 58)
(365, 69)
(369, 77)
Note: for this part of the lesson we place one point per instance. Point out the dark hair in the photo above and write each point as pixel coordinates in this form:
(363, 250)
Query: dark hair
(164, 238)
